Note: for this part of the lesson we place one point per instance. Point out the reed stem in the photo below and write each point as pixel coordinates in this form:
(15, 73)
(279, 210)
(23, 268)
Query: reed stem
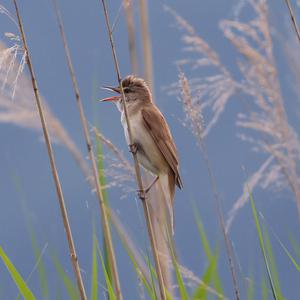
(293, 18)
(136, 164)
(103, 209)
(220, 213)
(73, 255)
(146, 41)
(131, 37)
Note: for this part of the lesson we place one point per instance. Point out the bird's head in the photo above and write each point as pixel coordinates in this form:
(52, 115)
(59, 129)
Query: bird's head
(135, 90)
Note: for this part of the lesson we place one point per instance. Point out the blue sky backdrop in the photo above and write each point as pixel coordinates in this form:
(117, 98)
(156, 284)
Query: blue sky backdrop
(27, 191)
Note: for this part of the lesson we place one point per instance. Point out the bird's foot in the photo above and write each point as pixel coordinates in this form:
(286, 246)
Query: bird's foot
(143, 193)
(133, 148)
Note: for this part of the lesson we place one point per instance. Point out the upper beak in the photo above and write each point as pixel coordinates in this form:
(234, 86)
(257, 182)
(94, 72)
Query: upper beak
(112, 89)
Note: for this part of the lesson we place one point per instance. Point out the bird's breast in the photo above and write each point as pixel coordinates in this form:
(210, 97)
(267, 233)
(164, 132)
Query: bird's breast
(148, 153)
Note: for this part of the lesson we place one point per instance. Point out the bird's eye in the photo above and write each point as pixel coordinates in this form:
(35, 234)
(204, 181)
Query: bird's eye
(126, 90)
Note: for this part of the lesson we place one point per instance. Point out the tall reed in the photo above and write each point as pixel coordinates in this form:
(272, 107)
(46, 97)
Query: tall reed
(60, 196)
(293, 18)
(131, 37)
(102, 204)
(156, 195)
(146, 42)
(196, 121)
(143, 197)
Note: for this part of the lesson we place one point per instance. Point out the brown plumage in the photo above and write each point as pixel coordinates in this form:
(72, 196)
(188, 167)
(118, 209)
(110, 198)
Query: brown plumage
(156, 150)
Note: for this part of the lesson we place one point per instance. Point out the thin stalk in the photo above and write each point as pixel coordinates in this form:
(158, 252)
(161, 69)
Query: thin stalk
(197, 127)
(131, 37)
(156, 194)
(221, 220)
(74, 259)
(146, 41)
(136, 164)
(293, 18)
(103, 209)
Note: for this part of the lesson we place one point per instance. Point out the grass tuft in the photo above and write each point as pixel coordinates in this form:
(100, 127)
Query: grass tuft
(19, 281)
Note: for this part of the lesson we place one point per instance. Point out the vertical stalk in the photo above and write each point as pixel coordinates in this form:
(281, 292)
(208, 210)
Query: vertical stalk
(219, 209)
(103, 208)
(293, 18)
(136, 165)
(146, 41)
(60, 196)
(156, 194)
(131, 37)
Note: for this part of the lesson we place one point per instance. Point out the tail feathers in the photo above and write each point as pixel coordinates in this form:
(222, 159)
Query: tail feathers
(179, 181)
(167, 182)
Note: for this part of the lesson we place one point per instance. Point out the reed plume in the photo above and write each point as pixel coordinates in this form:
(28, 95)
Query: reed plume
(265, 115)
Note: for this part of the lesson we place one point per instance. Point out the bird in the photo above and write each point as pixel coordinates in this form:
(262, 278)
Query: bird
(152, 140)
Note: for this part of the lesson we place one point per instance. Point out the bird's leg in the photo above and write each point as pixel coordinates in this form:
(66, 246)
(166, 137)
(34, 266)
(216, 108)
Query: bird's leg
(151, 185)
(142, 194)
(133, 148)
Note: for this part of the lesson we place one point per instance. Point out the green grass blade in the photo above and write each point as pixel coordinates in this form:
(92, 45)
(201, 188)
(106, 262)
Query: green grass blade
(273, 266)
(153, 274)
(102, 180)
(295, 245)
(262, 245)
(250, 288)
(182, 289)
(292, 259)
(201, 291)
(37, 251)
(209, 253)
(110, 290)
(20, 283)
(69, 285)
(94, 287)
(204, 240)
(58, 295)
(287, 252)
(149, 288)
(264, 289)
(41, 266)
(107, 262)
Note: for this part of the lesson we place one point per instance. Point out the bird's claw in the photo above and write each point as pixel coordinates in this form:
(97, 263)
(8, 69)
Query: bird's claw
(133, 148)
(141, 194)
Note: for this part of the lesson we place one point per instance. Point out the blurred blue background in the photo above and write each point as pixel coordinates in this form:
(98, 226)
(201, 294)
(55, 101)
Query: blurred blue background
(26, 186)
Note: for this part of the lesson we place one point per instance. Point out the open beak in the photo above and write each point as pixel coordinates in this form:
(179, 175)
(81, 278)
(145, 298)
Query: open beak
(113, 98)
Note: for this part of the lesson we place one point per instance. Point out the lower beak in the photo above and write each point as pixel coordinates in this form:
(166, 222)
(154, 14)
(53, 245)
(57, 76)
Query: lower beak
(113, 98)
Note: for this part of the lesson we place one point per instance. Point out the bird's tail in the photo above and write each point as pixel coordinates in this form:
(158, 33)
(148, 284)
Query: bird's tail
(167, 183)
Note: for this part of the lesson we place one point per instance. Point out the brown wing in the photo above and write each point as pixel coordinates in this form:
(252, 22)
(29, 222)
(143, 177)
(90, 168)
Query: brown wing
(160, 132)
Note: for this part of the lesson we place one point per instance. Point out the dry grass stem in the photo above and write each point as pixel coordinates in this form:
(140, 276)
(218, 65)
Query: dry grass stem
(146, 42)
(137, 167)
(156, 196)
(195, 118)
(103, 209)
(293, 18)
(64, 213)
(131, 37)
